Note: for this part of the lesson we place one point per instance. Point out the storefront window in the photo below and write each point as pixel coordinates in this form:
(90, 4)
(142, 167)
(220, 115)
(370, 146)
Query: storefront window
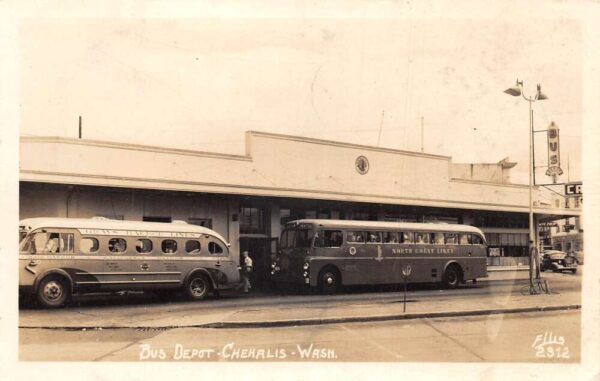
(252, 221)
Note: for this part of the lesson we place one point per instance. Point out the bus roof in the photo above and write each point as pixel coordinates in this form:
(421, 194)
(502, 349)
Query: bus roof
(105, 223)
(388, 225)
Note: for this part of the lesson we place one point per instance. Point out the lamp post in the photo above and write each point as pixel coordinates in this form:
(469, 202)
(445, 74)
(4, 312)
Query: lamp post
(516, 91)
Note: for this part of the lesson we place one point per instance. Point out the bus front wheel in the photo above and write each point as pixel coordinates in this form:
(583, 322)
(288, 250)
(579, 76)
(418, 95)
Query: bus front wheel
(452, 277)
(329, 280)
(53, 292)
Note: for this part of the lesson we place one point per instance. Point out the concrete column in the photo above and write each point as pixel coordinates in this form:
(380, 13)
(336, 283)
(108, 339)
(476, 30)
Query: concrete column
(233, 227)
(275, 220)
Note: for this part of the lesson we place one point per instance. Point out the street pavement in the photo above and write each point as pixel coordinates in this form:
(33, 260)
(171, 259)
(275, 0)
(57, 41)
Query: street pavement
(494, 320)
(503, 292)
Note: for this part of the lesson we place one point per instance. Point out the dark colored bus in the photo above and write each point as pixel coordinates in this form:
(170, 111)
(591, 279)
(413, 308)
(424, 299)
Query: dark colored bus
(330, 253)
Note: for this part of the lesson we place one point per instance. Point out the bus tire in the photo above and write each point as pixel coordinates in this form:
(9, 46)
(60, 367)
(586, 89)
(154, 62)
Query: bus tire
(329, 280)
(53, 291)
(452, 277)
(197, 287)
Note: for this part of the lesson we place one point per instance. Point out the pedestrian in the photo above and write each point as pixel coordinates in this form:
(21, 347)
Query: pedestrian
(246, 270)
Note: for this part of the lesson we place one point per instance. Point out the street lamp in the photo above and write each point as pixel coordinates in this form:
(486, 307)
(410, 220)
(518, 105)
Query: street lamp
(516, 91)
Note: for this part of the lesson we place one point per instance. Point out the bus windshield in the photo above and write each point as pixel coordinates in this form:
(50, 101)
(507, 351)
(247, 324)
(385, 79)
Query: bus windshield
(291, 238)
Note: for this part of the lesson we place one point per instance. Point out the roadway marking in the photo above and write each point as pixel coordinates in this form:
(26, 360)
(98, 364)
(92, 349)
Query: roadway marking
(430, 324)
(374, 343)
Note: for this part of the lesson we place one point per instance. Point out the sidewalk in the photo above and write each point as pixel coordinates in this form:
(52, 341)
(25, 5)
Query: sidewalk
(308, 310)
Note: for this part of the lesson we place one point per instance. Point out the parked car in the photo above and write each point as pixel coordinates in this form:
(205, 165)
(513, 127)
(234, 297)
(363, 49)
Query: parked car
(558, 261)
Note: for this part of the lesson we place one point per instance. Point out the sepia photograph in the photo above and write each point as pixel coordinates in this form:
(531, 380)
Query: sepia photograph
(301, 191)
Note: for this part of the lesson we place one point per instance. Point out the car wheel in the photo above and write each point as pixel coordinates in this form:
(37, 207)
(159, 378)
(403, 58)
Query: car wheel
(53, 292)
(197, 287)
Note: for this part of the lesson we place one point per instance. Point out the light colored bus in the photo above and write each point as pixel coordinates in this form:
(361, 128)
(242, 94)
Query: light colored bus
(330, 253)
(62, 256)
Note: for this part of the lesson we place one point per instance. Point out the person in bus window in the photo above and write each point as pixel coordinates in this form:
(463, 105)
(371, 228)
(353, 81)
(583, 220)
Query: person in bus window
(52, 244)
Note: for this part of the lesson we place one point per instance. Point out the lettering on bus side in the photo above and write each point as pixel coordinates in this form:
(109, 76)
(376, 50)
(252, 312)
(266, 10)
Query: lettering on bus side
(422, 250)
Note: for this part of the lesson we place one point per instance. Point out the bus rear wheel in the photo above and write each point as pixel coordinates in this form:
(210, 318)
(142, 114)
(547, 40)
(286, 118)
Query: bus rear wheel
(452, 277)
(329, 280)
(53, 292)
(197, 287)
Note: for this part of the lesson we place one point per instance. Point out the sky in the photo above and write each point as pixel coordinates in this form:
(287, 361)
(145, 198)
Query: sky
(200, 83)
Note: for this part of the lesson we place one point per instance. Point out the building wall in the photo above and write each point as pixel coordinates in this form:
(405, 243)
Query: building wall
(274, 165)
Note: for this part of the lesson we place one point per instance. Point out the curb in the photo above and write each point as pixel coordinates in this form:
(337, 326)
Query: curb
(322, 321)
(362, 319)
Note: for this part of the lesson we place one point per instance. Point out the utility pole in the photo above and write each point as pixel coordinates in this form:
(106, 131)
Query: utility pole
(79, 126)
(380, 127)
(422, 133)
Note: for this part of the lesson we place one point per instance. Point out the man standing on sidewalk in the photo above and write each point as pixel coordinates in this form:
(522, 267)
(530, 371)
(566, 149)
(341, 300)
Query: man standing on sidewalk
(246, 270)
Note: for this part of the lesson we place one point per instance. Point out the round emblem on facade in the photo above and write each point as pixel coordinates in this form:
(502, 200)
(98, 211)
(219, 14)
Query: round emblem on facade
(352, 250)
(362, 165)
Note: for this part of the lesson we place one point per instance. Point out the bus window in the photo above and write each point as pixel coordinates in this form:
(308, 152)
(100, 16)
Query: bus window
(408, 237)
(117, 245)
(374, 237)
(354, 237)
(89, 245)
(422, 238)
(169, 246)
(214, 248)
(192, 247)
(59, 243)
(302, 239)
(329, 238)
(287, 239)
(476, 239)
(451, 238)
(391, 237)
(143, 245)
(438, 238)
(464, 239)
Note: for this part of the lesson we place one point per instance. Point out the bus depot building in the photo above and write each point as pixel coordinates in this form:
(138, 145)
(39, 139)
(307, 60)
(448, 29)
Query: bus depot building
(249, 198)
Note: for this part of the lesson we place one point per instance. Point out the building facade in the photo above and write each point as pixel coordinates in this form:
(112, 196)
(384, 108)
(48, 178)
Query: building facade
(248, 198)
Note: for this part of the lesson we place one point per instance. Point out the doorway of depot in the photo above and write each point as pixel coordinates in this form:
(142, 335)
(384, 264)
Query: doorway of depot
(260, 250)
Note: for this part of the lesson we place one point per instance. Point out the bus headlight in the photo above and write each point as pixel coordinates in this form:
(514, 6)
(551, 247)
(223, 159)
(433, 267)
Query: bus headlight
(306, 265)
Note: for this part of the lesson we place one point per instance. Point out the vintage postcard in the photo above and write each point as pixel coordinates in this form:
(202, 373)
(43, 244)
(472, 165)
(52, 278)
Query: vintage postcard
(300, 191)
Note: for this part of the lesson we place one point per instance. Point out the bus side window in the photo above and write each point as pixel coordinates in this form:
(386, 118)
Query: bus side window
(374, 237)
(192, 247)
(169, 246)
(354, 237)
(117, 245)
(465, 239)
(422, 238)
(451, 238)
(408, 237)
(391, 237)
(214, 248)
(438, 238)
(143, 245)
(89, 245)
(328, 238)
(59, 243)
(476, 239)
